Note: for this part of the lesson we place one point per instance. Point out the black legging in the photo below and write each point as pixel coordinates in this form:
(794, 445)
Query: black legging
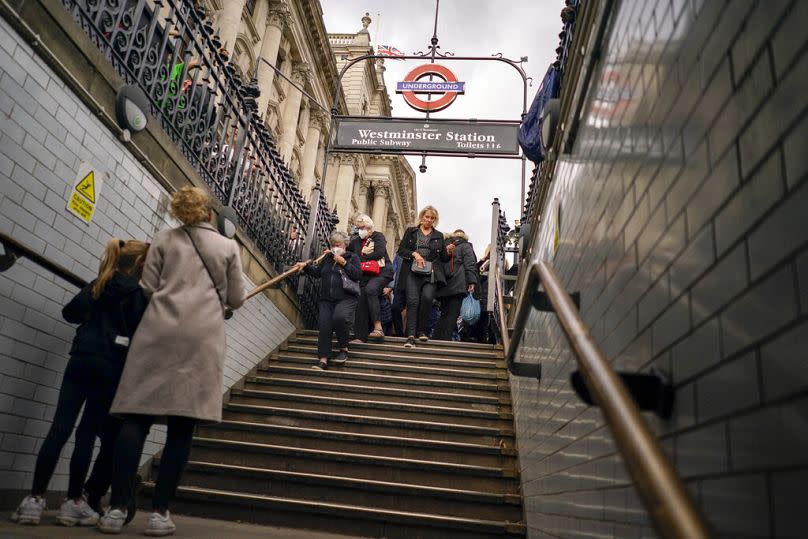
(90, 382)
(128, 449)
(420, 294)
(334, 316)
(368, 311)
(449, 311)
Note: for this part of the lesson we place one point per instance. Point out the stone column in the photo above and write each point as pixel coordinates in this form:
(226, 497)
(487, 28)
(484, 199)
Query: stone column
(342, 193)
(229, 23)
(362, 196)
(291, 112)
(278, 19)
(310, 151)
(380, 199)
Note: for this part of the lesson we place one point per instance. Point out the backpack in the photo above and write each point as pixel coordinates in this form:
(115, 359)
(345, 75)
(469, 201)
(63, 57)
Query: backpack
(530, 130)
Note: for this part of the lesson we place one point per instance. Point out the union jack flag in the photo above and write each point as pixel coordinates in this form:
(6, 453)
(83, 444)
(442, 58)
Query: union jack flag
(388, 50)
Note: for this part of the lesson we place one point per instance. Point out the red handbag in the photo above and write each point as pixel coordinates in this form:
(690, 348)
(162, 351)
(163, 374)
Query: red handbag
(370, 267)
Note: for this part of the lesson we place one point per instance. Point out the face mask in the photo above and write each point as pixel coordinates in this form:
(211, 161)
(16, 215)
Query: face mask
(364, 233)
(339, 251)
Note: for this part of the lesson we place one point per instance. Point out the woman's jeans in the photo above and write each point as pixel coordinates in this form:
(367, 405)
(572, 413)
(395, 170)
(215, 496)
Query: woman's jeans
(90, 382)
(128, 449)
(368, 311)
(420, 294)
(334, 316)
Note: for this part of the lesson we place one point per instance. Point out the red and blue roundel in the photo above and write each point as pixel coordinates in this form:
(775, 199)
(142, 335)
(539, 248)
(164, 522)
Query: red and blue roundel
(447, 88)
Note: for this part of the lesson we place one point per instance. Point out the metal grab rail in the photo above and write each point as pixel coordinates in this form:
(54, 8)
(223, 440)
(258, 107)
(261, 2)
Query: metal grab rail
(667, 501)
(15, 249)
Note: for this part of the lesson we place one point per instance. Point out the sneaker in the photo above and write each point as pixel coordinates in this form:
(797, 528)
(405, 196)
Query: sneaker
(160, 525)
(341, 357)
(29, 511)
(410, 342)
(77, 512)
(112, 521)
(423, 337)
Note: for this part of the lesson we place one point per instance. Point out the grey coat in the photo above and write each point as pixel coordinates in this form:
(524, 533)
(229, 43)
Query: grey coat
(176, 358)
(461, 270)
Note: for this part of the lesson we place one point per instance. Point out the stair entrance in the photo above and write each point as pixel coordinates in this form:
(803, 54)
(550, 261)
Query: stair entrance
(398, 443)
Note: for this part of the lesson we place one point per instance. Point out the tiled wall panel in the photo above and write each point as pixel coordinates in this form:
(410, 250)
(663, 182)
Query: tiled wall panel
(683, 226)
(45, 132)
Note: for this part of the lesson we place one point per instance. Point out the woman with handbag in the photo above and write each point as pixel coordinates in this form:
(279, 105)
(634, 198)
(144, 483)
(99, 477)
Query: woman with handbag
(339, 276)
(461, 272)
(174, 368)
(423, 249)
(377, 272)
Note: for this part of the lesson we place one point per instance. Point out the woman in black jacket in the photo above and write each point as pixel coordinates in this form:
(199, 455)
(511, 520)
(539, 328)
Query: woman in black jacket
(461, 272)
(336, 306)
(421, 247)
(108, 310)
(377, 272)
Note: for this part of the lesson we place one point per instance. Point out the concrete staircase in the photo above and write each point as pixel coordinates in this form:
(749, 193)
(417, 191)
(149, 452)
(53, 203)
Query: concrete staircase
(398, 443)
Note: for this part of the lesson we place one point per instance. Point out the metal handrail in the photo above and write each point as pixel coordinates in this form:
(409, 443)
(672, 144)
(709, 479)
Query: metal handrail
(503, 321)
(667, 501)
(17, 249)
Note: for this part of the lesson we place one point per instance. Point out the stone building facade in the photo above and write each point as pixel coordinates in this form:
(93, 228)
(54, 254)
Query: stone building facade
(291, 35)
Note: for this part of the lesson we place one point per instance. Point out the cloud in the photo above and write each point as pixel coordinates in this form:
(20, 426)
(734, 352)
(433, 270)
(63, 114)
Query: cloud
(461, 188)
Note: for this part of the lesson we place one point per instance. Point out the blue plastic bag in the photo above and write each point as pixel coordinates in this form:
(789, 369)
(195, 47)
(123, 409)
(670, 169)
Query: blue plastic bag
(530, 130)
(470, 309)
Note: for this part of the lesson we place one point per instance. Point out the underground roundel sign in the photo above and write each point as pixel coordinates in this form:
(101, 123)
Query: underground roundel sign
(413, 87)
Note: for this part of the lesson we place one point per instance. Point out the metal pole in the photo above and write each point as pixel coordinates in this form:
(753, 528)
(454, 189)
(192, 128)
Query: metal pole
(290, 81)
(493, 256)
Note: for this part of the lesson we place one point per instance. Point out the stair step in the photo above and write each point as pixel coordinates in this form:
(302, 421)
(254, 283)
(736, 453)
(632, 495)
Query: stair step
(446, 344)
(383, 495)
(404, 358)
(388, 379)
(386, 367)
(398, 410)
(338, 389)
(339, 518)
(433, 348)
(369, 444)
(297, 459)
(365, 424)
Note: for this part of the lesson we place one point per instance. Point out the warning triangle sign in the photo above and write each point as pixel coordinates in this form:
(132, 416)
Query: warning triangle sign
(87, 187)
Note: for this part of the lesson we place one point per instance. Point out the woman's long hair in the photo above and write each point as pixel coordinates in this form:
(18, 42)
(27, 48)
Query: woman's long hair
(119, 255)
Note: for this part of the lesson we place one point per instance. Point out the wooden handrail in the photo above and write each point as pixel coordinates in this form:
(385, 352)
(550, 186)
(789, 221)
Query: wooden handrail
(666, 500)
(18, 249)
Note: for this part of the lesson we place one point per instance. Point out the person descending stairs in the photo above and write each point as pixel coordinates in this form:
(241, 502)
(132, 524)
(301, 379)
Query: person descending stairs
(397, 443)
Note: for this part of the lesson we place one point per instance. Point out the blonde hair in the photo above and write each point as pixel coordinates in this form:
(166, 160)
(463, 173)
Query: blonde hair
(119, 255)
(426, 209)
(191, 205)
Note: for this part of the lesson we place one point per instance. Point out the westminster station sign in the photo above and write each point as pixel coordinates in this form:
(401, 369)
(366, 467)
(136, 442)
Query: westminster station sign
(450, 136)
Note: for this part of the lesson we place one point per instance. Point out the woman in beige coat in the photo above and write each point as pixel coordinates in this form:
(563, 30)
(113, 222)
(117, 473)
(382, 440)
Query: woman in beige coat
(176, 358)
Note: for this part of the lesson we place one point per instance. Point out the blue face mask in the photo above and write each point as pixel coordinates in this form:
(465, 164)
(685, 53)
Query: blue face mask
(354, 230)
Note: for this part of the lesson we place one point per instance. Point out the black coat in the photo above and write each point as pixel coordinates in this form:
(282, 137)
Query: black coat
(379, 253)
(113, 316)
(461, 270)
(437, 254)
(330, 278)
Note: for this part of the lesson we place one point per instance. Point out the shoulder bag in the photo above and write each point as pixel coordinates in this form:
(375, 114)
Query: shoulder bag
(349, 286)
(228, 314)
(369, 267)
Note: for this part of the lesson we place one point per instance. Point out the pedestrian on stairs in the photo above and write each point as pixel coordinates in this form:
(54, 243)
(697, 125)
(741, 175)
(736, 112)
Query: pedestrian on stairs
(461, 272)
(107, 310)
(423, 249)
(174, 369)
(377, 271)
(338, 298)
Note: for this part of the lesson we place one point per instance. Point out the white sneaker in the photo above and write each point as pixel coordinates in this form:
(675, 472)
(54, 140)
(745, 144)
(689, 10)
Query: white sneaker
(29, 511)
(159, 525)
(77, 512)
(112, 521)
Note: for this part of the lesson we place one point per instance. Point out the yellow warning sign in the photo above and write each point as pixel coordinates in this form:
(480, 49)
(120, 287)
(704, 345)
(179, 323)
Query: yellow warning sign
(83, 197)
(87, 187)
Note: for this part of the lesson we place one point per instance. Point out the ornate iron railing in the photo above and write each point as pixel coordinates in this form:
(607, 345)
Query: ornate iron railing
(169, 49)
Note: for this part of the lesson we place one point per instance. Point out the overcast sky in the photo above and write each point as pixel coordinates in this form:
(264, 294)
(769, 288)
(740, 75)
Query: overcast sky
(462, 189)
